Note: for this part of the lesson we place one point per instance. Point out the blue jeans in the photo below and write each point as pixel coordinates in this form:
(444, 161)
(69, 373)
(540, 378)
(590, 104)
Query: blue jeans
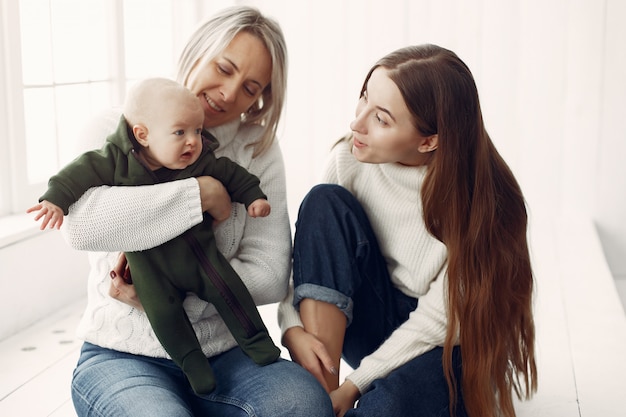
(337, 260)
(111, 383)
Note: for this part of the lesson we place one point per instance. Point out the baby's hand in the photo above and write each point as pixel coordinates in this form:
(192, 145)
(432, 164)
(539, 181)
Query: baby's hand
(259, 208)
(51, 213)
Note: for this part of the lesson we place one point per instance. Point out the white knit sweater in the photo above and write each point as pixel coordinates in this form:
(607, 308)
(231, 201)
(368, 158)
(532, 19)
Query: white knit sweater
(390, 195)
(107, 220)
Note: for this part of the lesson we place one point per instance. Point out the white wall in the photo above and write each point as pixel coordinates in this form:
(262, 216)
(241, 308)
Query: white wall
(39, 274)
(609, 210)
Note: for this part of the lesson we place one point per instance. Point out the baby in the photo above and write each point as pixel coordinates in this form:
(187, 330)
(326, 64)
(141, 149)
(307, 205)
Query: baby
(160, 138)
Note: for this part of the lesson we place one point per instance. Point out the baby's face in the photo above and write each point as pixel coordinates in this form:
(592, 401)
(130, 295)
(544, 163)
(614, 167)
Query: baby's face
(174, 135)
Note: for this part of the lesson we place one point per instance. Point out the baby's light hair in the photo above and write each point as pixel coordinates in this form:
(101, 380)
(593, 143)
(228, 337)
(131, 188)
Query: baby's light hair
(144, 97)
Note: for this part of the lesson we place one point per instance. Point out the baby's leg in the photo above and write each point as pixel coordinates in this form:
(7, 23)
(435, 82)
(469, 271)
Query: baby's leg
(224, 289)
(163, 304)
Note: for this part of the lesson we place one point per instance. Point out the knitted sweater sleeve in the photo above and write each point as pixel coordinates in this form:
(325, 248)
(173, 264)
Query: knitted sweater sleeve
(424, 330)
(129, 219)
(263, 257)
(135, 218)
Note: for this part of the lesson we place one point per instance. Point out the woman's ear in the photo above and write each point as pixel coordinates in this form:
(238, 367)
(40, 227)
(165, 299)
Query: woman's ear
(141, 134)
(428, 143)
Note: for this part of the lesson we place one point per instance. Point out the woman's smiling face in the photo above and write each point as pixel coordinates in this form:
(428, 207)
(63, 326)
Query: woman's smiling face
(230, 83)
(383, 129)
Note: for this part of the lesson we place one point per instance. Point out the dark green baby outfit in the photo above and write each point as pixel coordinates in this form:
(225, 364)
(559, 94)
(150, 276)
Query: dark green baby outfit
(188, 263)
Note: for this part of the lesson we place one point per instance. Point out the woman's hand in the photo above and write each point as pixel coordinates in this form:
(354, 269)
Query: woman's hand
(308, 351)
(215, 198)
(344, 397)
(121, 287)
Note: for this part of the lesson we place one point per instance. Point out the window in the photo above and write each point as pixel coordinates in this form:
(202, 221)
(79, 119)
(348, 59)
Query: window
(63, 61)
(65, 76)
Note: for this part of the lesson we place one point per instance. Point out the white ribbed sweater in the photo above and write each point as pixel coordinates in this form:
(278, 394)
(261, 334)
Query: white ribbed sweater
(107, 220)
(390, 195)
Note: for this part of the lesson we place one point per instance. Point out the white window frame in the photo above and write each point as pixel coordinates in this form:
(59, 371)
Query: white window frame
(12, 160)
(16, 193)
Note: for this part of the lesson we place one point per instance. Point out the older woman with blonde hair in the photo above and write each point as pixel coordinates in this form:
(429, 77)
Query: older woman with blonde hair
(236, 64)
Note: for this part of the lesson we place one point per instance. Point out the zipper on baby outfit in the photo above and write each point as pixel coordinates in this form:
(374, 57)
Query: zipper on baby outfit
(225, 292)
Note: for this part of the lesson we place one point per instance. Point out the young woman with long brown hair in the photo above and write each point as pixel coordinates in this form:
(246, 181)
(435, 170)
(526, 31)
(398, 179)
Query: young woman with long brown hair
(412, 262)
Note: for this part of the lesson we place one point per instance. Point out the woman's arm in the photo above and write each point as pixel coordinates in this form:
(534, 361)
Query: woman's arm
(263, 257)
(425, 329)
(132, 218)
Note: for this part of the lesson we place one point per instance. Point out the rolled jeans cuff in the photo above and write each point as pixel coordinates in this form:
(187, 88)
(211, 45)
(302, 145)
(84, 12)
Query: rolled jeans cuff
(328, 295)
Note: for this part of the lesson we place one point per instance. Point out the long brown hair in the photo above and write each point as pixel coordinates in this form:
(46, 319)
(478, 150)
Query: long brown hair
(473, 203)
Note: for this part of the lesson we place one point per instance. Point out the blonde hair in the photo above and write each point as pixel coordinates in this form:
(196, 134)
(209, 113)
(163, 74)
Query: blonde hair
(213, 36)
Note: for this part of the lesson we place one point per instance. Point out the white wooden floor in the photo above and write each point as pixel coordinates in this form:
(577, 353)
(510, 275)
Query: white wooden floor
(581, 338)
(36, 367)
(581, 326)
